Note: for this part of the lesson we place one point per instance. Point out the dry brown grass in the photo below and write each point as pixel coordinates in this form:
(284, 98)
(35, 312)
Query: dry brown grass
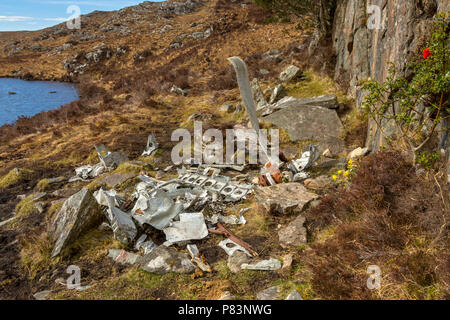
(386, 216)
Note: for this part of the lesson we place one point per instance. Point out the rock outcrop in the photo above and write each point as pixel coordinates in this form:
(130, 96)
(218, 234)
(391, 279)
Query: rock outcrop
(78, 214)
(308, 123)
(286, 198)
(363, 52)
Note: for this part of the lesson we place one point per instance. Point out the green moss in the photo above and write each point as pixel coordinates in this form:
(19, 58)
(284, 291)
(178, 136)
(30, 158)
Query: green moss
(92, 246)
(135, 285)
(316, 86)
(54, 208)
(95, 185)
(15, 176)
(43, 185)
(26, 208)
(127, 167)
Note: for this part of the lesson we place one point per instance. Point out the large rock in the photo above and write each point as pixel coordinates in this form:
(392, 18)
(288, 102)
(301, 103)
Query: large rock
(269, 293)
(258, 95)
(163, 260)
(294, 234)
(236, 260)
(294, 295)
(285, 198)
(79, 213)
(278, 93)
(290, 73)
(305, 122)
(113, 159)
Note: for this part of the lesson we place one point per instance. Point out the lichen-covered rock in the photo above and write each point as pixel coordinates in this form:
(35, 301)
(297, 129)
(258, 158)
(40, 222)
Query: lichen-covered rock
(294, 234)
(358, 153)
(294, 295)
(278, 93)
(269, 293)
(290, 73)
(236, 260)
(78, 214)
(306, 122)
(258, 95)
(285, 198)
(319, 183)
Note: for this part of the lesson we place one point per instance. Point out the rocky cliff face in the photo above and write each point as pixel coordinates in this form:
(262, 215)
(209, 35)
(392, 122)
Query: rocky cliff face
(362, 53)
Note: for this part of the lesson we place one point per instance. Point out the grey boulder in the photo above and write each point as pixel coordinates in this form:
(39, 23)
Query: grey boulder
(268, 294)
(305, 122)
(236, 260)
(294, 295)
(258, 95)
(278, 93)
(286, 198)
(290, 73)
(294, 233)
(78, 214)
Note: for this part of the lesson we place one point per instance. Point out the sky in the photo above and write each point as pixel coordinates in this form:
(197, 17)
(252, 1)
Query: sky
(19, 15)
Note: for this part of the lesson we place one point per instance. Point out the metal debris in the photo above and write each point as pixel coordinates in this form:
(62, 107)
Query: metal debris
(157, 209)
(306, 161)
(108, 161)
(190, 227)
(122, 225)
(231, 219)
(198, 259)
(146, 246)
(219, 184)
(123, 257)
(225, 245)
(247, 96)
(265, 265)
(236, 240)
(152, 146)
(103, 197)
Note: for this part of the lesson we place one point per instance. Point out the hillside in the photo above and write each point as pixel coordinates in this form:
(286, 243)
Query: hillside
(157, 67)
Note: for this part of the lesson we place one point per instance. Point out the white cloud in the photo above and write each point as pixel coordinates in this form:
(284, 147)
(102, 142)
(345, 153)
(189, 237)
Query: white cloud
(54, 19)
(28, 19)
(15, 18)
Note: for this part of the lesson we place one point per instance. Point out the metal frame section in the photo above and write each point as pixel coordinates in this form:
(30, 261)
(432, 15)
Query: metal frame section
(306, 161)
(152, 145)
(235, 247)
(224, 186)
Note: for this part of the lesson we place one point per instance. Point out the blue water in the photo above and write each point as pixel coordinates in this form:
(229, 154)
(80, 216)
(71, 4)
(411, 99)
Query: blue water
(32, 97)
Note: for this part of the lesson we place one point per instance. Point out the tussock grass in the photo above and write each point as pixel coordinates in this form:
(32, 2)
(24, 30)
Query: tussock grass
(15, 176)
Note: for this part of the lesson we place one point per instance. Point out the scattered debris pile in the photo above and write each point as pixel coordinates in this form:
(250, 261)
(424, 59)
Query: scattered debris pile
(194, 205)
(108, 161)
